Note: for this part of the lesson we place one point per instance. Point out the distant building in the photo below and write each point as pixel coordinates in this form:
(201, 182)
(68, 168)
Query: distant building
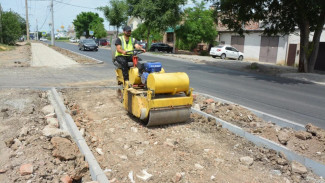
(62, 33)
(134, 22)
(256, 46)
(71, 32)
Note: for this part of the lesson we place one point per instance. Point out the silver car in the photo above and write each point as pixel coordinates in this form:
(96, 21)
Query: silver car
(226, 51)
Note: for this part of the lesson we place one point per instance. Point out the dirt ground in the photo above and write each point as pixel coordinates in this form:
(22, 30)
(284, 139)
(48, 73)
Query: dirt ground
(32, 147)
(309, 143)
(20, 56)
(196, 151)
(78, 58)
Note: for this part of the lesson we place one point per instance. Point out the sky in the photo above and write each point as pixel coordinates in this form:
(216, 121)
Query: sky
(65, 11)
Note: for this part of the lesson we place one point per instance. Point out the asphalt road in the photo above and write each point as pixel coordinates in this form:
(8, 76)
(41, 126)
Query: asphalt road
(294, 100)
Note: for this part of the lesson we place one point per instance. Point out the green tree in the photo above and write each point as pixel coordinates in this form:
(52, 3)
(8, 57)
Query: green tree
(98, 28)
(198, 26)
(279, 17)
(140, 33)
(157, 15)
(22, 23)
(116, 13)
(86, 21)
(11, 27)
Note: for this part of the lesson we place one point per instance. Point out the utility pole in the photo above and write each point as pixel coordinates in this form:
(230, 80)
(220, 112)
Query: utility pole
(27, 24)
(1, 40)
(52, 31)
(36, 30)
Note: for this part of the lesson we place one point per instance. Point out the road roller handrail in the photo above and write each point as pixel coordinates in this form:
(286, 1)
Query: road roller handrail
(134, 52)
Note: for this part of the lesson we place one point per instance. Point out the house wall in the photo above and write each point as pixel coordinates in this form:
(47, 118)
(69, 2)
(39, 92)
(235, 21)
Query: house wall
(134, 22)
(282, 50)
(294, 38)
(252, 46)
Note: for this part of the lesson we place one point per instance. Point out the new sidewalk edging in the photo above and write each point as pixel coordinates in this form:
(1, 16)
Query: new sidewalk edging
(265, 116)
(316, 167)
(67, 123)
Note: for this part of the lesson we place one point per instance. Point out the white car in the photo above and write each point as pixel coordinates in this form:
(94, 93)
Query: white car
(73, 40)
(43, 39)
(226, 51)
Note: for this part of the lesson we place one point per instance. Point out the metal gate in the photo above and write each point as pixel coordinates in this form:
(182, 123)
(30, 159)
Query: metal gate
(269, 49)
(292, 54)
(238, 43)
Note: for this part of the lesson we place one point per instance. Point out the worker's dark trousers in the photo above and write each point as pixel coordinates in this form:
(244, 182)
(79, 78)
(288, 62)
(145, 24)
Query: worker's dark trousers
(123, 61)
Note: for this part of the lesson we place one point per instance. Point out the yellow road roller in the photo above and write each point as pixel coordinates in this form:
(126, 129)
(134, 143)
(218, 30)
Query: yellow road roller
(155, 97)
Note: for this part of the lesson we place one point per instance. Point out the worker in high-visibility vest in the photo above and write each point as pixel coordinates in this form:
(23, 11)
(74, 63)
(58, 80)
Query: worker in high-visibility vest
(123, 44)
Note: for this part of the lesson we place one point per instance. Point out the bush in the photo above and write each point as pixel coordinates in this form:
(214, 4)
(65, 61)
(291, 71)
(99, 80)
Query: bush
(182, 46)
(11, 30)
(204, 53)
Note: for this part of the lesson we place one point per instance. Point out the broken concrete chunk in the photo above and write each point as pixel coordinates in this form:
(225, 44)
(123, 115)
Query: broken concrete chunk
(197, 107)
(50, 131)
(48, 109)
(26, 169)
(247, 160)
(99, 151)
(198, 166)
(303, 135)
(146, 176)
(298, 168)
(131, 177)
(283, 137)
(53, 122)
(64, 149)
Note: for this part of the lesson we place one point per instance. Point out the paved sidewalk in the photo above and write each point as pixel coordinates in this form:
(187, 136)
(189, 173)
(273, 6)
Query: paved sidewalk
(43, 56)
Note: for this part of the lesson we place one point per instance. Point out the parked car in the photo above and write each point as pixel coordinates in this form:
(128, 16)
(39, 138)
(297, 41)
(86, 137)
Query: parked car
(226, 51)
(74, 40)
(101, 42)
(161, 47)
(87, 44)
(143, 44)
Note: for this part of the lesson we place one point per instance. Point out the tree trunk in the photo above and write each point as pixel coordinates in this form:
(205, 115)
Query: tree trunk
(315, 44)
(148, 35)
(304, 45)
(117, 31)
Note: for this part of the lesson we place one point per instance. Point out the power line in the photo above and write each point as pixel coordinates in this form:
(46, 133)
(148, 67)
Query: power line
(45, 19)
(74, 5)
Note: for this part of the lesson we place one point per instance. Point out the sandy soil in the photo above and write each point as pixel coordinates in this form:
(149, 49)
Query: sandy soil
(196, 151)
(78, 58)
(20, 56)
(309, 143)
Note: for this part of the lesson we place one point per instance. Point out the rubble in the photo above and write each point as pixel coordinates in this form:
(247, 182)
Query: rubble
(306, 143)
(199, 150)
(27, 152)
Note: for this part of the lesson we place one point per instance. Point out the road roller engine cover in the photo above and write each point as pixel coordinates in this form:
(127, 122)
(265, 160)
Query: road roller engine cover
(155, 97)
